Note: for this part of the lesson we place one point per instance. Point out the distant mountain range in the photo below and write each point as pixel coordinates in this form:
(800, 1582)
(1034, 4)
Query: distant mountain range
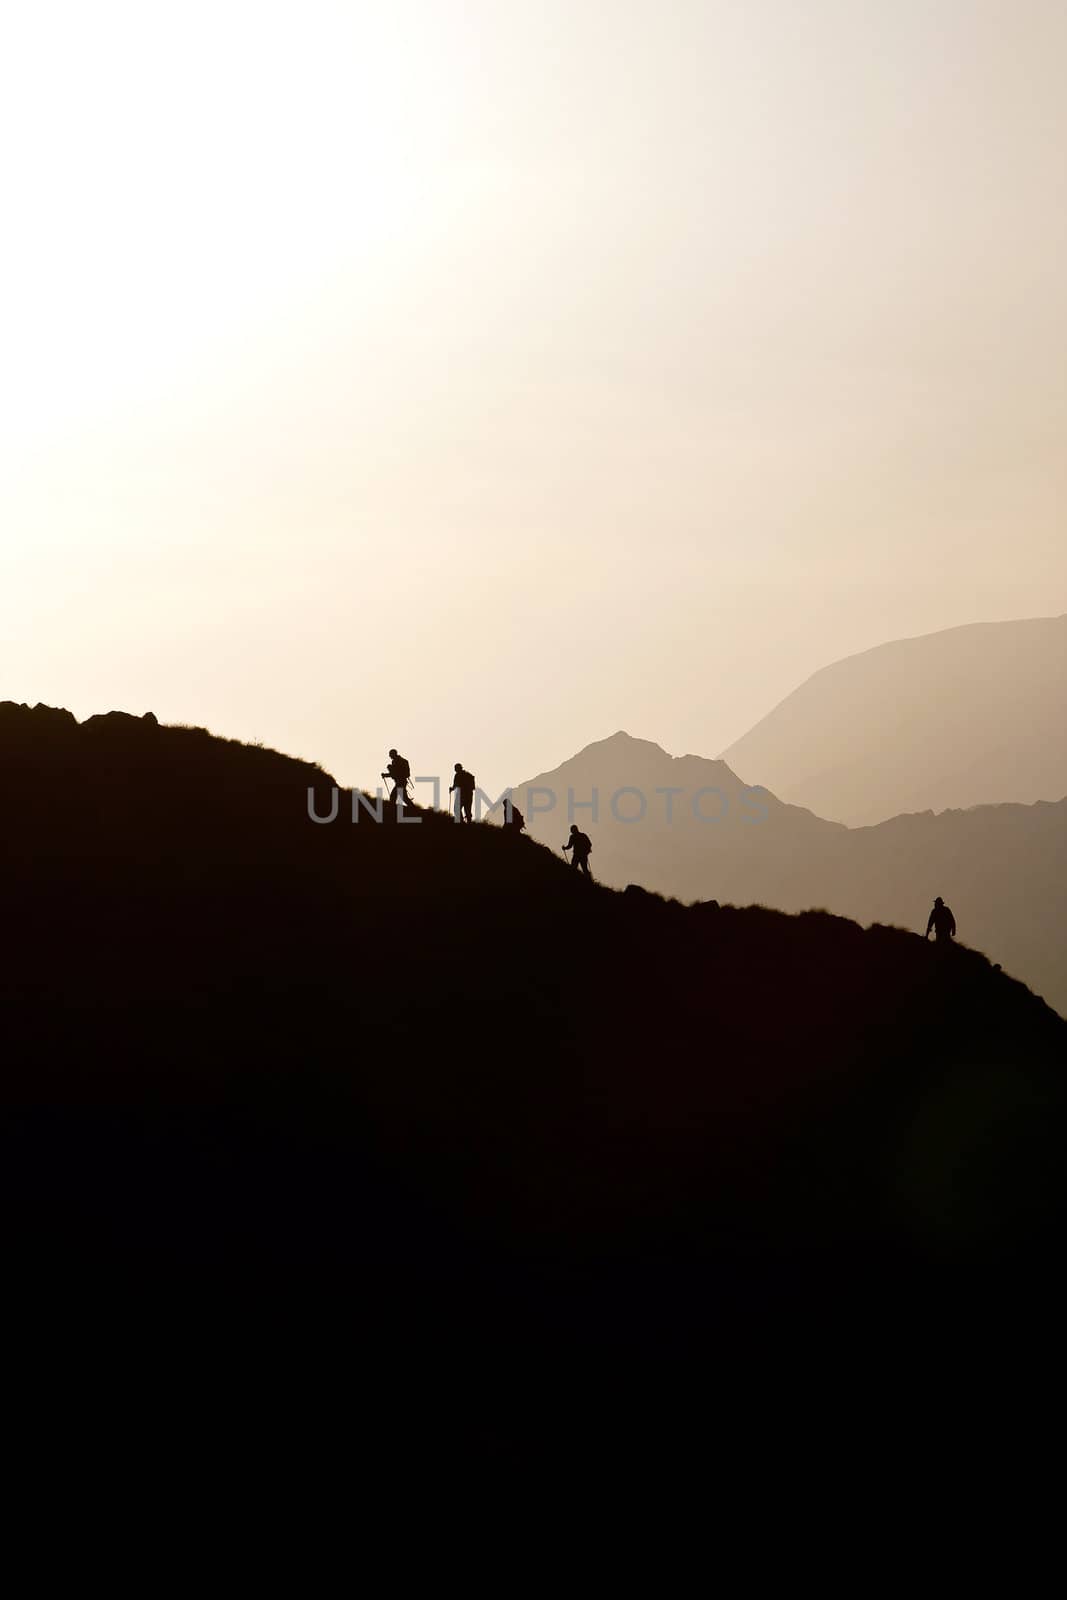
(969, 716)
(1002, 868)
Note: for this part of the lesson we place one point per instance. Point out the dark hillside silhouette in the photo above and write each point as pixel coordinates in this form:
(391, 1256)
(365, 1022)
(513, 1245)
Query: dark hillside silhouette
(596, 1145)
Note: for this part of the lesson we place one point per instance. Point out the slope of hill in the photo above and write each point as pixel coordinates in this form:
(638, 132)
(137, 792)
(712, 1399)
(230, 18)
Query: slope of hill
(969, 716)
(474, 1126)
(1001, 868)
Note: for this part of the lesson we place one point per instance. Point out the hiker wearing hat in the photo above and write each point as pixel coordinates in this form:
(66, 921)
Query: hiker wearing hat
(941, 922)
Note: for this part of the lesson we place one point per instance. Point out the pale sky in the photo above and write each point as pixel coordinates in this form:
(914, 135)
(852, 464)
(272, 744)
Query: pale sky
(483, 376)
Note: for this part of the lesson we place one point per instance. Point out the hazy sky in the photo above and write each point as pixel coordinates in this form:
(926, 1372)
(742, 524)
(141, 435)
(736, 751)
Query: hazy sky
(484, 377)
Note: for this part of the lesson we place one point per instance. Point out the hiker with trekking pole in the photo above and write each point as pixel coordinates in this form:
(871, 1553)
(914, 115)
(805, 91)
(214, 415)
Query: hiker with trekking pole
(581, 844)
(398, 772)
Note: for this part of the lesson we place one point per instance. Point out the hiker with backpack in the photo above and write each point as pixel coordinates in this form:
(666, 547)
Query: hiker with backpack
(399, 774)
(513, 817)
(463, 786)
(581, 844)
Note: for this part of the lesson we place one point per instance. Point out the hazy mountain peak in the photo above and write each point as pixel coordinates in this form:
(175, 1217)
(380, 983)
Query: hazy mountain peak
(628, 746)
(967, 716)
(622, 740)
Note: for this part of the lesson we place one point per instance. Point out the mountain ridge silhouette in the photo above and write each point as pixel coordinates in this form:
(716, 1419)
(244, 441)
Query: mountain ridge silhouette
(422, 1097)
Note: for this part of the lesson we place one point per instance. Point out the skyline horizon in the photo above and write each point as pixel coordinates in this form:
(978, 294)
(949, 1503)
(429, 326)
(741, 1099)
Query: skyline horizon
(686, 828)
(443, 770)
(82, 712)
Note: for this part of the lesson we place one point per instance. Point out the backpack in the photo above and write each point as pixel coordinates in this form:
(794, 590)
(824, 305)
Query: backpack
(517, 819)
(402, 771)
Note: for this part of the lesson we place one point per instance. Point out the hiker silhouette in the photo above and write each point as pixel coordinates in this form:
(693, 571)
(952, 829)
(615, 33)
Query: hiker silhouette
(513, 817)
(399, 773)
(463, 786)
(581, 844)
(941, 922)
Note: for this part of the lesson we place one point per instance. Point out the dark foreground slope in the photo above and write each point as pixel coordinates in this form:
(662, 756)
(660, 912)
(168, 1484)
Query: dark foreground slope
(466, 1127)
